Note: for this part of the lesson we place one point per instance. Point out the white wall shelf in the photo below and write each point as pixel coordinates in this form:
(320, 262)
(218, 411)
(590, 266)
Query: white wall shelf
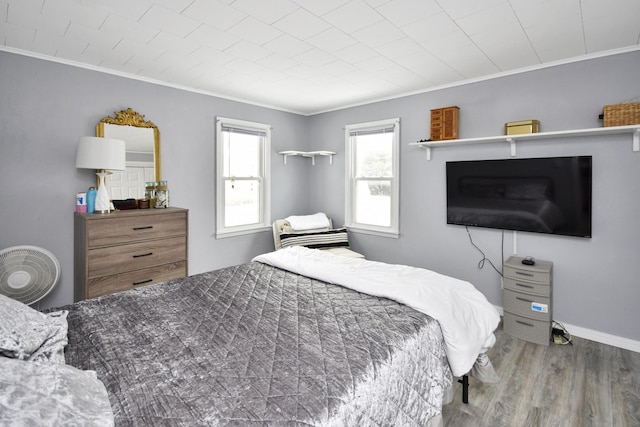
(634, 130)
(311, 154)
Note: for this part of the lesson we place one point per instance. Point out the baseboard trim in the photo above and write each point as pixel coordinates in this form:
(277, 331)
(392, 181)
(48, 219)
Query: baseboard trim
(597, 336)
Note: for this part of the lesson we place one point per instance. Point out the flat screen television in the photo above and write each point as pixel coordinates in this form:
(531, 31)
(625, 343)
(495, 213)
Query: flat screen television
(543, 195)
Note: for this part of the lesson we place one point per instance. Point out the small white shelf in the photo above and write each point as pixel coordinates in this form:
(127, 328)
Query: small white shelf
(634, 130)
(311, 154)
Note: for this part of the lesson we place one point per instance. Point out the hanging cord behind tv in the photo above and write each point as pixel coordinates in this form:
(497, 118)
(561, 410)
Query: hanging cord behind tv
(484, 257)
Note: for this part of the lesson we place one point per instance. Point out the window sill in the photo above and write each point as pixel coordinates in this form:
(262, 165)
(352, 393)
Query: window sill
(235, 233)
(379, 233)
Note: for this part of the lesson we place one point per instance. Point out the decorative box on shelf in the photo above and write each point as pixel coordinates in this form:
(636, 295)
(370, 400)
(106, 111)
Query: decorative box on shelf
(522, 127)
(444, 123)
(621, 114)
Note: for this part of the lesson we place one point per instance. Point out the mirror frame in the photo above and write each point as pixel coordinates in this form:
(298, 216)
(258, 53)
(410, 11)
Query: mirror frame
(129, 117)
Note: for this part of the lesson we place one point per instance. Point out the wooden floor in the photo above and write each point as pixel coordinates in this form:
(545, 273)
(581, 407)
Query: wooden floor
(584, 384)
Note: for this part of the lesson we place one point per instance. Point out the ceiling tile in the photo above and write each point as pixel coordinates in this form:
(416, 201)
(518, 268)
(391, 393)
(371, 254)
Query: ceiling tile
(564, 42)
(214, 13)
(254, 31)
(380, 33)
(518, 53)
(434, 26)
(247, 50)
(25, 15)
(213, 37)
(277, 61)
(356, 53)
(469, 62)
(488, 19)
(75, 12)
(353, 16)
(399, 48)
(319, 8)
(141, 50)
(287, 45)
(118, 26)
(315, 57)
(331, 40)
(301, 24)
(174, 5)
(210, 56)
(87, 35)
(243, 66)
(166, 41)
(266, 11)
(460, 8)
(405, 12)
(171, 22)
(338, 68)
(129, 9)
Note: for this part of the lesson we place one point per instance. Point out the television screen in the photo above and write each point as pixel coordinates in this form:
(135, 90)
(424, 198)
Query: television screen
(544, 195)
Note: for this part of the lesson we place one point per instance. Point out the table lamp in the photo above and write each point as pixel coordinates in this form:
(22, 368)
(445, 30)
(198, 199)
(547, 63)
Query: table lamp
(104, 155)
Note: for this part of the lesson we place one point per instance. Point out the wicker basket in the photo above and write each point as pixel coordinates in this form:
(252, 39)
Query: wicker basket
(622, 114)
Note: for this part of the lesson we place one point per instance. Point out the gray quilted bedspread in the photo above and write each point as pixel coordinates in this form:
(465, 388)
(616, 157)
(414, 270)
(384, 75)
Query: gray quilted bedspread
(256, 345)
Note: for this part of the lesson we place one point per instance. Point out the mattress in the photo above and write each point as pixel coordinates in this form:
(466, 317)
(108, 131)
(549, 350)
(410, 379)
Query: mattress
(255, 344)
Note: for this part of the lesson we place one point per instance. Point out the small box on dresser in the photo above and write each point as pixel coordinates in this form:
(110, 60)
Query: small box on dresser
(121, 250)
(527, 300)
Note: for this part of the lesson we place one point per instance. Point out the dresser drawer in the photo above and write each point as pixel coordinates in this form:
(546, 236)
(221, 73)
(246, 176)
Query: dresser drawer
(528, 287)
(521, 304)
(528, 329)
(125, 229)
(124, 281)
(135, 256)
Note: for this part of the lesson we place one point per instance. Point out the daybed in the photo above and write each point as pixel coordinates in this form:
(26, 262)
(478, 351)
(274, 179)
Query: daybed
(271, 342)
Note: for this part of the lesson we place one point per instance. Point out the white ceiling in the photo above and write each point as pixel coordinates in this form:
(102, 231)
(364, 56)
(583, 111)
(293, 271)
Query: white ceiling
(309, 56)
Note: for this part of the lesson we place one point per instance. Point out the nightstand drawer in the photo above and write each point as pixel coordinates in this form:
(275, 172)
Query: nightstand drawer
(124, 281)
(528, 329)
(124, 229)
(529, 274)
(528, 287)
(523, 305)
(120, 259)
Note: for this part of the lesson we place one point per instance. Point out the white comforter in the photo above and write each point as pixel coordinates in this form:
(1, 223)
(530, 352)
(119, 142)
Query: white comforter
(466, 318)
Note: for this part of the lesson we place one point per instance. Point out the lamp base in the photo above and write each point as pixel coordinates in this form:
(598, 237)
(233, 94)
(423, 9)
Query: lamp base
(103, 202)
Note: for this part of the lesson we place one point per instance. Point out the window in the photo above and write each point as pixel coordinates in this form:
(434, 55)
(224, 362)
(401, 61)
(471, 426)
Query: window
(242, 175)
(372, 193)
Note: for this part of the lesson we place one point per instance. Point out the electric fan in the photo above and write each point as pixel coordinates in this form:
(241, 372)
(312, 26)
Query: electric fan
(28, 273)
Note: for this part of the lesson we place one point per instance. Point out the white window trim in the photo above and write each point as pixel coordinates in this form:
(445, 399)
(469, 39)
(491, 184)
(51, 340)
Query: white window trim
(265, 203)
(393, 230)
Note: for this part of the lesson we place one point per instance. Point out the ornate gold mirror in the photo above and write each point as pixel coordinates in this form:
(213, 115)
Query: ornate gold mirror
(142, 139)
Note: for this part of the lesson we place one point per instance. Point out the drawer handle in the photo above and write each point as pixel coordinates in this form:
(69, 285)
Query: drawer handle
(524, 286)
(141, 255)
(524, 323)
(522, 273)
(143, 228)
(142, 282)
(523, 299)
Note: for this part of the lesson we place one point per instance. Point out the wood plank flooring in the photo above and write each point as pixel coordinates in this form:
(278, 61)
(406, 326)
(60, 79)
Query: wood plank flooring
(584, 384)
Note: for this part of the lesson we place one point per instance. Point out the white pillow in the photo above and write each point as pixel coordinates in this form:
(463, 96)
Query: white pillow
(25, 332)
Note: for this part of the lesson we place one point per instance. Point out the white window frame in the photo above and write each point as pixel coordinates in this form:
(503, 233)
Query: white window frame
(264, 222)
(350, 191)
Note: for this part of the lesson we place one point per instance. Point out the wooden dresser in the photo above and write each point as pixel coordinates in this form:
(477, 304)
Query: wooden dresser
(124, 249)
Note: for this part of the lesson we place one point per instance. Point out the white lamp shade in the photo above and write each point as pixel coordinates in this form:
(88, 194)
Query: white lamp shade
(100, 153)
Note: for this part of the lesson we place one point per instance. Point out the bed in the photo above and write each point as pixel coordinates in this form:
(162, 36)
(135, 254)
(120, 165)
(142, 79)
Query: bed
(276, 342)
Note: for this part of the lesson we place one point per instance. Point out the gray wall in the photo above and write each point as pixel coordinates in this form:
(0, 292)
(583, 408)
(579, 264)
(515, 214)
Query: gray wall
(46, 106)
(597, 280)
